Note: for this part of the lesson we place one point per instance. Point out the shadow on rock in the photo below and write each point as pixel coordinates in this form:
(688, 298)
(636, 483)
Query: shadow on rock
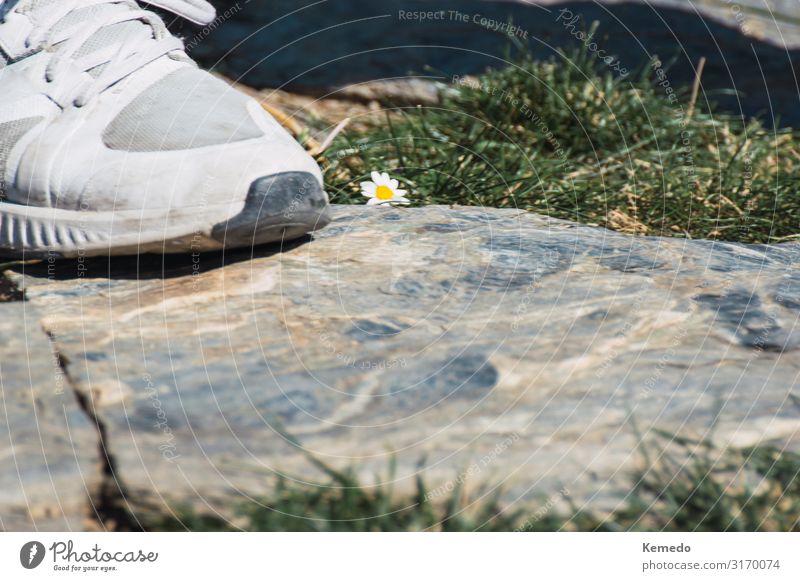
(151, 266)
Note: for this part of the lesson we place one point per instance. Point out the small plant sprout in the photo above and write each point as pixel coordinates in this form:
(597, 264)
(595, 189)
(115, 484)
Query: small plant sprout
(383, 190)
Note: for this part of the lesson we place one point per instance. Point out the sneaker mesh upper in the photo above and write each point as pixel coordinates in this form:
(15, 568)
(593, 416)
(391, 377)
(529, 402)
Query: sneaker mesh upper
(106, 36)
(32, 5)
(186, 109)
(10, 133)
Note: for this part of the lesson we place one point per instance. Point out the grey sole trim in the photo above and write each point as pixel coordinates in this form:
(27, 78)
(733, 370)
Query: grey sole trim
(279, 207)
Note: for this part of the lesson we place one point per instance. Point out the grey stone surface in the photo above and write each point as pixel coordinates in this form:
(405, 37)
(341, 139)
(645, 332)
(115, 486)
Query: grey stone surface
(490, 346)
(48, 446)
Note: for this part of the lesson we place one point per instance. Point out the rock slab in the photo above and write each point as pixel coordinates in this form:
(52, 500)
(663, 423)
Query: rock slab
(48, 445)
(483, 346)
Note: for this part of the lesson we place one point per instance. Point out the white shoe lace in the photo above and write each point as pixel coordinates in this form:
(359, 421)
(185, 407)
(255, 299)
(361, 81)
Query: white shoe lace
(121, 59)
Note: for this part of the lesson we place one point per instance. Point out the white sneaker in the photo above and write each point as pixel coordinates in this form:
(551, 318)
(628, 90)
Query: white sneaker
(112, 141)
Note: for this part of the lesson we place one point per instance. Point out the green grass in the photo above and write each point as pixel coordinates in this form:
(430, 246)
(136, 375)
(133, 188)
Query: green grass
(755, 489)
(569, 139)
(344, 506)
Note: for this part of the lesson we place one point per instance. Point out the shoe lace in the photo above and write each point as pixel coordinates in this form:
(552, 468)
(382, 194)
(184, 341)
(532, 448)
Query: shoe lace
(121, 59)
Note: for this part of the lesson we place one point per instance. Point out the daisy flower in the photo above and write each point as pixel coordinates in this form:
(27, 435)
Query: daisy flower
(383, 190)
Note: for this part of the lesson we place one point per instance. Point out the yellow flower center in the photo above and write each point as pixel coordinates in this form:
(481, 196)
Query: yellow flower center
(384, 193)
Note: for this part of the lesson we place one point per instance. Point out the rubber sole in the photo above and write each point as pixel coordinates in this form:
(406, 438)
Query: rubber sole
(278, 207)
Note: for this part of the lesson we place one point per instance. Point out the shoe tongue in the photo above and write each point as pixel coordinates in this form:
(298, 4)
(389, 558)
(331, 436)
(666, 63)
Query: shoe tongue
(131, 30)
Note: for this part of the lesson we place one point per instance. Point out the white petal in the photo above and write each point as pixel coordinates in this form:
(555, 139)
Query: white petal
(401, 200)
(400, 192)
(374, 202)
(366, 195)
(393, 184)
(369, 187)
(376, 177)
